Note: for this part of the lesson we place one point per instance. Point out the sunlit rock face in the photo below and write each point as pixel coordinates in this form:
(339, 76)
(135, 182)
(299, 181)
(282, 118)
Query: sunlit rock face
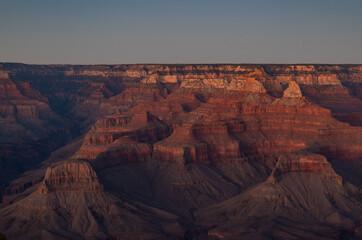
(181, 151)
(293, 90)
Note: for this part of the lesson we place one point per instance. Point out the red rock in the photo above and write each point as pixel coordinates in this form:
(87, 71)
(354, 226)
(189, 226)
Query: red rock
(181, 146)
(304, 162)
(4, 75)
(143, 127)
(124, 151)
(199, 142)
(70, 176)
(293, 90)
(9, 90)
(338, 99)
(175, 138)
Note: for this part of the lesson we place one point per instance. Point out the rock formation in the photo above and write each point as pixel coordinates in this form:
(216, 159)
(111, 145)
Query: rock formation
(30, 129)
(70, 176)
(293, 90)
(142, 127)
(303, 162)
(181, 151)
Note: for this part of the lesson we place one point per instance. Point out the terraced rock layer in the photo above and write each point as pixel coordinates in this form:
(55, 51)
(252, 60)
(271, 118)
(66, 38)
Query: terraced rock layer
(181, 151)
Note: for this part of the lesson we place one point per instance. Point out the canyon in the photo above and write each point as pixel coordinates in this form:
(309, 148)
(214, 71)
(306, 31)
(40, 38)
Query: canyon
(181, 151)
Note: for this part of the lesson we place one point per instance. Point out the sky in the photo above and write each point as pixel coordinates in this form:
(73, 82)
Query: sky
(180, 31)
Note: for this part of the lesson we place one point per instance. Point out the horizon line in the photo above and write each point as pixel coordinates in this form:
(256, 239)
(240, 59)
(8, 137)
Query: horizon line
(117, 64)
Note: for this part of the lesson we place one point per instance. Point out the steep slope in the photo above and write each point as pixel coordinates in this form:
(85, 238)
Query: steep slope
(30, 130)
(186, 152)
(70, 203)
(296, 202)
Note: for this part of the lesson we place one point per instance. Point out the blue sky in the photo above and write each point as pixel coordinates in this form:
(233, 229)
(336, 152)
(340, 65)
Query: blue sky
(160, 31)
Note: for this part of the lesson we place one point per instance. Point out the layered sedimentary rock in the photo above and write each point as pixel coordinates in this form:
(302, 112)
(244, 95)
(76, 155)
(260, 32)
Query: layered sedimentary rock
(70, 176)
(71, 203)
(183, 151)
(303, 162)
(293, 90)
(143, 127)
(265, 126)
(20, 101)
(199, 142)
(30, 130)
(123, 151)
(299, 206)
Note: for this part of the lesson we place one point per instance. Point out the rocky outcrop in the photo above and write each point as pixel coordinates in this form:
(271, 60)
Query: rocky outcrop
(293, 90)
(178, 94)
(142, 127)
(4, 75)
(237, 84)
(304, 162)
(236, 151)
(70, 176)
(124, 151)
(181, 146)
(18, 186)
(20, 101)
(28, 127)
(200, 142)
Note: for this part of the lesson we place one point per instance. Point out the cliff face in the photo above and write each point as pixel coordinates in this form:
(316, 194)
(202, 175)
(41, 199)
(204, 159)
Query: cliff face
(191, 151)
(70, 176)
(303, 162)
(30, 129)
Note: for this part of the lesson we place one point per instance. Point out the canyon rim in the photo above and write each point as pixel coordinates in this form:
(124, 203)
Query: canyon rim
(181, 151)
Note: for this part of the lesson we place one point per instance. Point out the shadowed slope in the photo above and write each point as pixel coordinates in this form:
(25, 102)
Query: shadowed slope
(192, 152)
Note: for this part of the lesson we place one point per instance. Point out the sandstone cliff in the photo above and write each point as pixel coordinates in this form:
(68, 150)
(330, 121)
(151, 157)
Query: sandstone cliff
(70, 176)
(181, 151)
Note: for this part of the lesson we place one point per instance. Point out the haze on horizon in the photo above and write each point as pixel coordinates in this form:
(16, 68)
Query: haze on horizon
(200, 31)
